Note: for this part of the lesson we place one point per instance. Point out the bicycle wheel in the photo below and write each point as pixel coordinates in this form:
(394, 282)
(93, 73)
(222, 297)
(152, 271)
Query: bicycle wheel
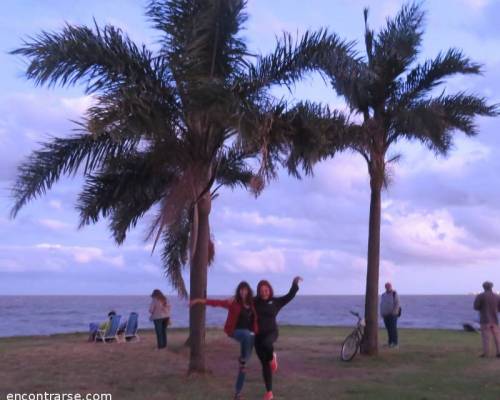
(350, 347)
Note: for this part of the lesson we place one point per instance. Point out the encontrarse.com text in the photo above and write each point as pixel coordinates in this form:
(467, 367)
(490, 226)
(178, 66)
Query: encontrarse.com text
(59, 396)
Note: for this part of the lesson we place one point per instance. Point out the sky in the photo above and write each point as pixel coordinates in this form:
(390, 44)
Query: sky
(441, 216)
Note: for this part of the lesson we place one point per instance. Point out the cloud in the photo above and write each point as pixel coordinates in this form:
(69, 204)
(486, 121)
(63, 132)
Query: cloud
(28, 119)
(477, 4)
(76, 105)
(266, 23)
(347, 172)
(432, 239)
(389, 8)
(266, 260)
(53, 224)
(255, 218)
(55, 204)
(83, 254)
(152, 269)
(419, 159)
(312, 259)
(439, 216)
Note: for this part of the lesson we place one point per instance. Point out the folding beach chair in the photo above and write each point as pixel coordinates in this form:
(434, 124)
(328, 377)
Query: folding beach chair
(111, 333)
(132, 327)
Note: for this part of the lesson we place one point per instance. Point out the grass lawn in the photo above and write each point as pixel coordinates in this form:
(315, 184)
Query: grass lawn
(430, 364)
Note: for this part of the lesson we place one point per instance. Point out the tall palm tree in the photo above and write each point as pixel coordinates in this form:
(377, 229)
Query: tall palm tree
(394, 99)
(166, 129)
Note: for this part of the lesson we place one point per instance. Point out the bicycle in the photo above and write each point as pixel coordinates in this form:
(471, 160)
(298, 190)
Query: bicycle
(352, 343)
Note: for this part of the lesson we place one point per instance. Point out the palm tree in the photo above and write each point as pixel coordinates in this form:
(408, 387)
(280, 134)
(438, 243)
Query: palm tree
(394, 99)
(166, 129)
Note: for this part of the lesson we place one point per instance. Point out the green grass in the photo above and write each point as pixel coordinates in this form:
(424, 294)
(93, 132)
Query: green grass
(430, 364)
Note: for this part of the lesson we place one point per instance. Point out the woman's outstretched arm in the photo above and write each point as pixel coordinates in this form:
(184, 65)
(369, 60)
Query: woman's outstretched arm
(287, 298)
(212, 302)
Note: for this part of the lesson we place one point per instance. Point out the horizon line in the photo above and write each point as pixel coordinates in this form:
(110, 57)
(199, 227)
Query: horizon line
(230, 294)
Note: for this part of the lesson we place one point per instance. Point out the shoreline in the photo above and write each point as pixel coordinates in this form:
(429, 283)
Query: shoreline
(215, 329)
(229, 295)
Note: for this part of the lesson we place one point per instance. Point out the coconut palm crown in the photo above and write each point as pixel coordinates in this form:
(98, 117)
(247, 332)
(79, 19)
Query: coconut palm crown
(166, 128)
(391, 98)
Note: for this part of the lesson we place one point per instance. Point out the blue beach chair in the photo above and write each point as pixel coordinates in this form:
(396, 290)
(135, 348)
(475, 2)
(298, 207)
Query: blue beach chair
(132, 327)
(111, 333)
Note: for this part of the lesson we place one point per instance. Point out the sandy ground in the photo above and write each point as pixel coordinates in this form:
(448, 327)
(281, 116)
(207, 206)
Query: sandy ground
(429, 365)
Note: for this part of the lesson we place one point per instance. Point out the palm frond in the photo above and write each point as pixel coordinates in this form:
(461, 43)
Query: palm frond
(460, 110)
(232, 168)
(175, 253)
(433, 121)
(369, 36)
(124, 214)
(427, 76)
(64, 156)
(292, 58)
(149, 114)
(201, 36)
(101, 59)
(396, 46)
(134, 181)
(315, 132)
(262, 136)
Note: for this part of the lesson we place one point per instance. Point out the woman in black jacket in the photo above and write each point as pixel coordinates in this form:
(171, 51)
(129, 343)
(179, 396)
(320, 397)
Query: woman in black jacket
(267, 308)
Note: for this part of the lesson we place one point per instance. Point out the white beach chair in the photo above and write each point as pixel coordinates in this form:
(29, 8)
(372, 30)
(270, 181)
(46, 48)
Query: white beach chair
(111, 333)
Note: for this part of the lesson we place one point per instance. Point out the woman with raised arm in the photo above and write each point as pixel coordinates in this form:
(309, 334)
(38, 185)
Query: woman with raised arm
(241, 325)
(268, 307)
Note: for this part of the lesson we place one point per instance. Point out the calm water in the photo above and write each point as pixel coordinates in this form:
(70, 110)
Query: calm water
(44, 315)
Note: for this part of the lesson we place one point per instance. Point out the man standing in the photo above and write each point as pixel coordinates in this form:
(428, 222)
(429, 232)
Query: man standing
(390, 310)
(488, 305)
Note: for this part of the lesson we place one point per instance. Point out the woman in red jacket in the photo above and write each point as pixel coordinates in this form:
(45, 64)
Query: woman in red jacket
(241, 325)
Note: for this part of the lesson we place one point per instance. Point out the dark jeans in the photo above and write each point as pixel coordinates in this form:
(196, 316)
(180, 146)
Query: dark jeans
(161, 332)
(264, 347)
(246, 339)
(391, 324)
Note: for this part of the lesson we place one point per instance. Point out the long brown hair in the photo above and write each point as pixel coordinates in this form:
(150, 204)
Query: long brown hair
(263, 282)
(157, 294)
(237, 296)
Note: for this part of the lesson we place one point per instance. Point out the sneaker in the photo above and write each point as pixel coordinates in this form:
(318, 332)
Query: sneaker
(482, 356)
(274, 364)
(238, 396)
(268, 396)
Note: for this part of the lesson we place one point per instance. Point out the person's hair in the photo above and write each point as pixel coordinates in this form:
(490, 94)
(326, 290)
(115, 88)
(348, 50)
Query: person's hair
(111, 313)
(157, 294)
(237, 295)
(487, 285)
(265, 283)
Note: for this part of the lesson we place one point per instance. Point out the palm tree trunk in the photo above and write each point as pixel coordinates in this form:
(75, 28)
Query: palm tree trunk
(369, 344)
(198, 288)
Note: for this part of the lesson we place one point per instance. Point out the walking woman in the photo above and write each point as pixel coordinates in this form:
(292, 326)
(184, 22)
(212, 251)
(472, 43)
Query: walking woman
(268, 307)
(160, 315)
(241, 325)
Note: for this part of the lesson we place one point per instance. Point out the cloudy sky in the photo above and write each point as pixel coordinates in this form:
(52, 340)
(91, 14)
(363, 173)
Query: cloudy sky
(441, 217)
